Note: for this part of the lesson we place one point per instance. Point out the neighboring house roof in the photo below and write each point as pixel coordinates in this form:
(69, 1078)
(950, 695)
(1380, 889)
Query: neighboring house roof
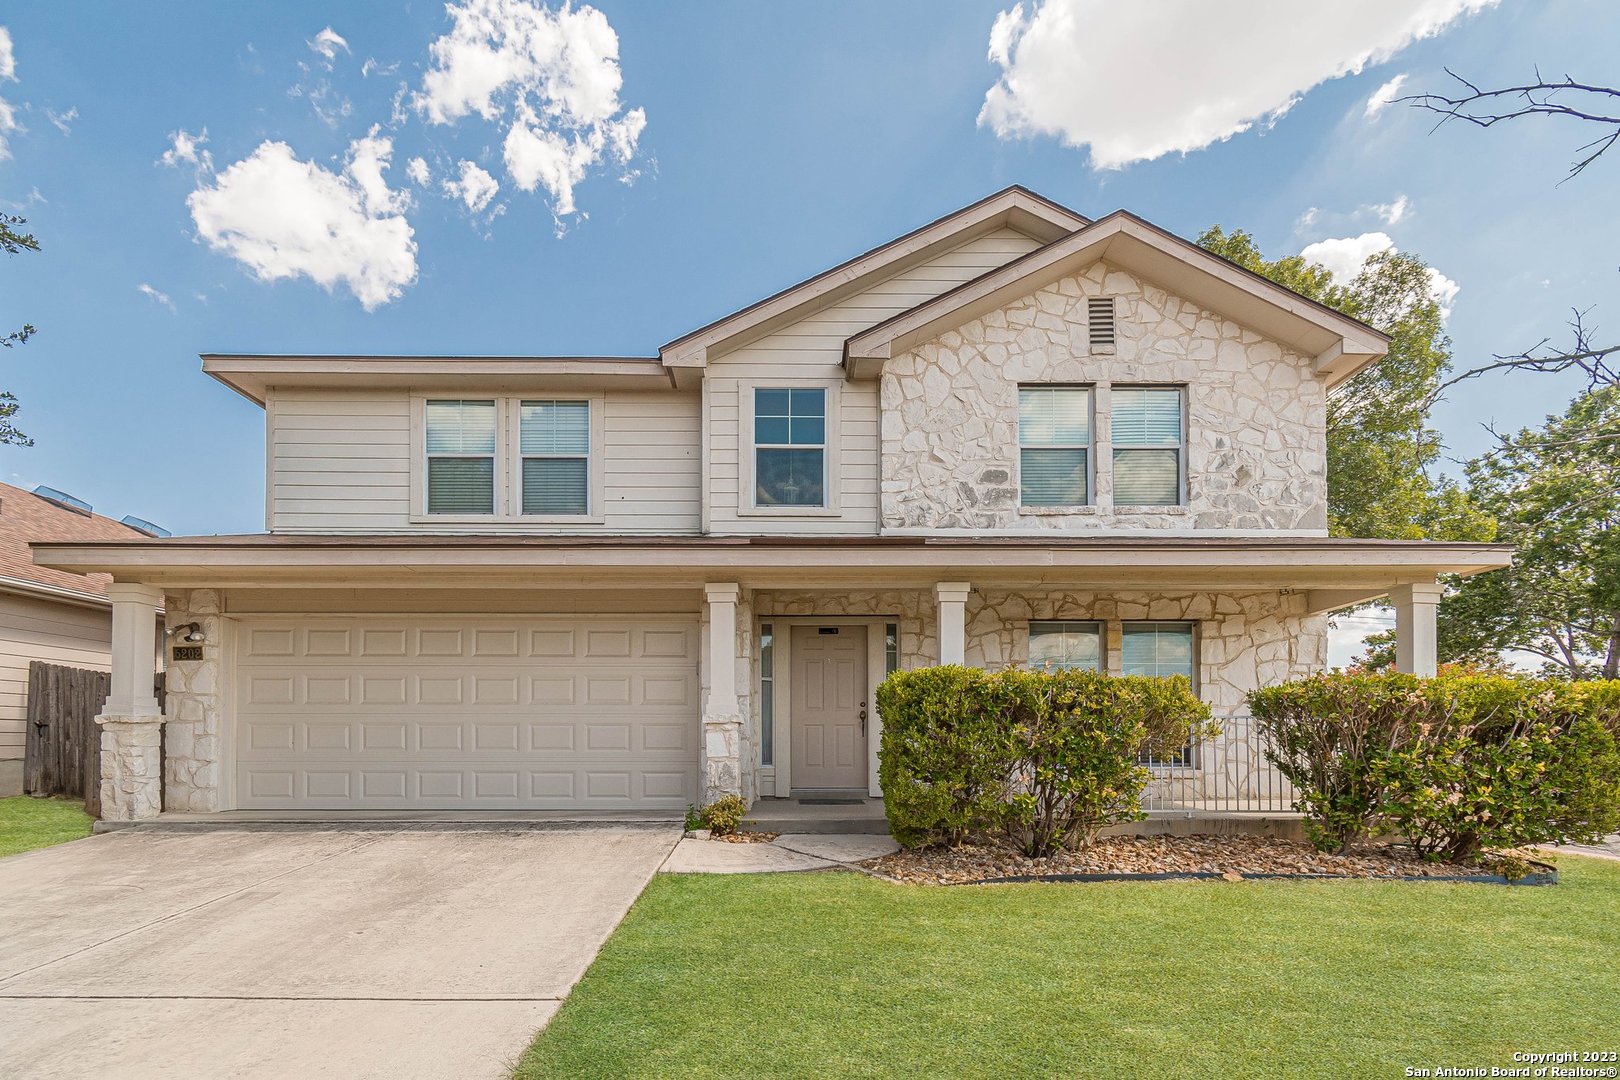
(1015, 207)
(1340, 345)
(25, 518)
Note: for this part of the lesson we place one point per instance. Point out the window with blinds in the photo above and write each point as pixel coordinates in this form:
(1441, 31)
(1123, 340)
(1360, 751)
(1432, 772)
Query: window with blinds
(555, 443)
(1160, 649)
(1064, 645)
(1054, 445)
(460, 457)
(790, 446)
(1148, 445)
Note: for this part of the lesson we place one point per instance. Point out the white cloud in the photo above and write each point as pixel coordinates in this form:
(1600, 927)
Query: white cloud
(8, 73)
(327, 43)
(475, 188)
(1391, 212)
(551, 78)
(1308, 218)
(285, 218)
(1344, 257)
(373, 66)
(1136, 81)
(156, 295)
(417, 170)
(1384, 95)
(188, 149)
(63, 121)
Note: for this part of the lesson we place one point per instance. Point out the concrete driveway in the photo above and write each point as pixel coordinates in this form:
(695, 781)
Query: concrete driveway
(289, 951)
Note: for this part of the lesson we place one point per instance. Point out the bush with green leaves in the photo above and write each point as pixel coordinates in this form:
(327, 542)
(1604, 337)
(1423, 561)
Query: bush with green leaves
(1459, 764)
(723, 815)
(1050, 757)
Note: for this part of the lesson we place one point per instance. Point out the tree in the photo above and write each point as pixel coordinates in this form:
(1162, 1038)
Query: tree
(14, 242)
(1381, 450)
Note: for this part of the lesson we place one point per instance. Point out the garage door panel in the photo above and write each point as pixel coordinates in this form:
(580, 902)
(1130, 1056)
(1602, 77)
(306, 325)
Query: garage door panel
(498, 712)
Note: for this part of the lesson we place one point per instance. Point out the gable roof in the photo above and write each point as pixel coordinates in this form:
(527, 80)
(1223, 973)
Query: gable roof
(1015, 207)
(24, 518)
(1340, 345)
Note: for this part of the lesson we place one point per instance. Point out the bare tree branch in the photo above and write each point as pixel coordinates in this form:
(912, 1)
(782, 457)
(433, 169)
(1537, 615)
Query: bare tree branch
(1600, 364)
(1583, 102)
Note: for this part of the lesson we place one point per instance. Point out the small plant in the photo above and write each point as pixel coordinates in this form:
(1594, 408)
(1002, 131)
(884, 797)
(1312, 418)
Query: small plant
(694, 820)
(722, 816)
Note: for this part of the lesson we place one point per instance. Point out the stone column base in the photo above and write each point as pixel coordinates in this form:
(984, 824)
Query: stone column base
(131, 767)
(722, 756)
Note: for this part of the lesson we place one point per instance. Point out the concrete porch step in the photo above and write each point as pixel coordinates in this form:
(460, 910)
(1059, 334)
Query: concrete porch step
(814, 814)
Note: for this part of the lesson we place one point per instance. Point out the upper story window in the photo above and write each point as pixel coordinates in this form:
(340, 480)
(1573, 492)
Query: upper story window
(1148, 445)
(555, 444)
(790, 446)
(461, 441)
(1054, 445)
(1064, 645)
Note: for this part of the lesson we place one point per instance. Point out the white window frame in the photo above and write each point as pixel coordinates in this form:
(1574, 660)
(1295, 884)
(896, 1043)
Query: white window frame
(1114, 447)
(1089, 506)
(831, 454)
(508, 461)
(1196, 631)
(1102, 639)
(494, 454)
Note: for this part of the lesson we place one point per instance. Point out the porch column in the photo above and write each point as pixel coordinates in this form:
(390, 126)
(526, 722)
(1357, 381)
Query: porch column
(131, 721)
(722, 716)
(952, 597)
(1416, 637)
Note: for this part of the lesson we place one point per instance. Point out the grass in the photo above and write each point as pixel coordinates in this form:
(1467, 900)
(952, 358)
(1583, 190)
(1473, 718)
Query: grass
(835, 974)
(27, 823)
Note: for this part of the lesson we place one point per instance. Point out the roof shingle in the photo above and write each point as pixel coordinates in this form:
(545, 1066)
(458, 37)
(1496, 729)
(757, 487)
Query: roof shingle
(26, 517)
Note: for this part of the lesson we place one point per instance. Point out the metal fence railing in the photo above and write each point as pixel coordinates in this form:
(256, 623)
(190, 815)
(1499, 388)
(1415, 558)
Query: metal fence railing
(1229, 774)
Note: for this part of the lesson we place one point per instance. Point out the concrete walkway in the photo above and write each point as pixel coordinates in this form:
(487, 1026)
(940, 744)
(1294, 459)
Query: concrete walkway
(788, 852)
(417, 951)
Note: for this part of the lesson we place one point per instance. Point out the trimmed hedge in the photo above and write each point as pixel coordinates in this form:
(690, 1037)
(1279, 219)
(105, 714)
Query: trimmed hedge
(1050, 757)
(1457, 764)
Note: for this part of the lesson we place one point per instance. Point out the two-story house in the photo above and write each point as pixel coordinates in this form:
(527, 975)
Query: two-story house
(1013, 436)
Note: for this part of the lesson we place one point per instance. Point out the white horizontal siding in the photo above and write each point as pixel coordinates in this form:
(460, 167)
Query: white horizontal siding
(341, 462)
(813, 349)
(40, 630)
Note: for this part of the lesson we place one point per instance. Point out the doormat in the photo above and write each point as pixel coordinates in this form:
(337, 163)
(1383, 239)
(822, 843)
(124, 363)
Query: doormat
(831, 802)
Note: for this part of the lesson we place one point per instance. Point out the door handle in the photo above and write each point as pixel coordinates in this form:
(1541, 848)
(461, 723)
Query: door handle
(863, 718)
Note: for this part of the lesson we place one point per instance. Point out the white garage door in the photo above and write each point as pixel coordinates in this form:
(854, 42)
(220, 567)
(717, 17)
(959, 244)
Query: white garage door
(494, 712)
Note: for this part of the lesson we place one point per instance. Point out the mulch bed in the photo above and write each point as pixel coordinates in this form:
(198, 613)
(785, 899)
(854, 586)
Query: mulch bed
(747, 837)
(1231, 857)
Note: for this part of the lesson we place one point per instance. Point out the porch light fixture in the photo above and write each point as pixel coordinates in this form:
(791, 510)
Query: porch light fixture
(192, 633)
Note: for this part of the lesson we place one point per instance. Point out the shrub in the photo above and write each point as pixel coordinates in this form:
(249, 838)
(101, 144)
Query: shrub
(1458, 764)
(947, 753)
(1050, 757)
(722, 816)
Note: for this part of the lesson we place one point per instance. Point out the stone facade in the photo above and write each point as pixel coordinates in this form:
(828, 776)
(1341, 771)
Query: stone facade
(729, 738)
(193, 707)
(131, 777)
(1256, 455)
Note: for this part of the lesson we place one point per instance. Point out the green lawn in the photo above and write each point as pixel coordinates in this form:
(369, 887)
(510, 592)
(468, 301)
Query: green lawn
(836, 974)
(27, 823)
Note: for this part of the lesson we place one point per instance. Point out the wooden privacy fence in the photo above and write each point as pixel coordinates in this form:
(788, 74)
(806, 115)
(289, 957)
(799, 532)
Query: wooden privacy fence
(62, 753)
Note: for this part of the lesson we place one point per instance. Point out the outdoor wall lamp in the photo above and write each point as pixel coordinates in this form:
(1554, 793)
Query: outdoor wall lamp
(192, 633)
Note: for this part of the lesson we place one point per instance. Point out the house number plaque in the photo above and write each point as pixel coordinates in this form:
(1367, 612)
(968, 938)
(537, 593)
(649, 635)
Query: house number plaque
(188, 652)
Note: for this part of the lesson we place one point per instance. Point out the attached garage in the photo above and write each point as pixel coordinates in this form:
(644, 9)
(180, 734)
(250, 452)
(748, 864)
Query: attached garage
(417, 712)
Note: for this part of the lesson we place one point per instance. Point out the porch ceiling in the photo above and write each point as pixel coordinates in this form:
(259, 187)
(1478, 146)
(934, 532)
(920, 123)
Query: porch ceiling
(1339, 571)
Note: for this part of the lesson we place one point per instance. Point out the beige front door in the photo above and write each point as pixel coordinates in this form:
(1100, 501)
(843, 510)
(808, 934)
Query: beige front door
(829, 689)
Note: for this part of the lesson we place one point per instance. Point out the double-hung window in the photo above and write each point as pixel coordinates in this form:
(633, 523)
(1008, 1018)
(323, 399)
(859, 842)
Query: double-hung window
(1054, 445)
(461, 440)
(790, 447)
(1160, 649)
(1148, 445)
(1065, 645)
(555, 443)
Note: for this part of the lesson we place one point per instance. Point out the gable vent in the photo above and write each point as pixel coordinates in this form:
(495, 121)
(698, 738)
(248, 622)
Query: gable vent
(1100, 322)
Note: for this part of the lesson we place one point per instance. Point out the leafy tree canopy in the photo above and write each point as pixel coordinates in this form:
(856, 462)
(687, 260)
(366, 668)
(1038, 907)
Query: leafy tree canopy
(1382, 454)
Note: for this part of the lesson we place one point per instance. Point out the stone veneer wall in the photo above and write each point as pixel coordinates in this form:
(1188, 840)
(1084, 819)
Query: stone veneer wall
(1256, 414)
(1245, 640)
(727, 746)
(193, 730)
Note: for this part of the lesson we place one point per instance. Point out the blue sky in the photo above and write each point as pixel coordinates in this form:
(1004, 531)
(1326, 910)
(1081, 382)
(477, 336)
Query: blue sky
(777, 140)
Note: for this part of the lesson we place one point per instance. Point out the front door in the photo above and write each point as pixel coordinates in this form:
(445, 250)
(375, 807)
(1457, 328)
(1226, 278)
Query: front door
(829, 688)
